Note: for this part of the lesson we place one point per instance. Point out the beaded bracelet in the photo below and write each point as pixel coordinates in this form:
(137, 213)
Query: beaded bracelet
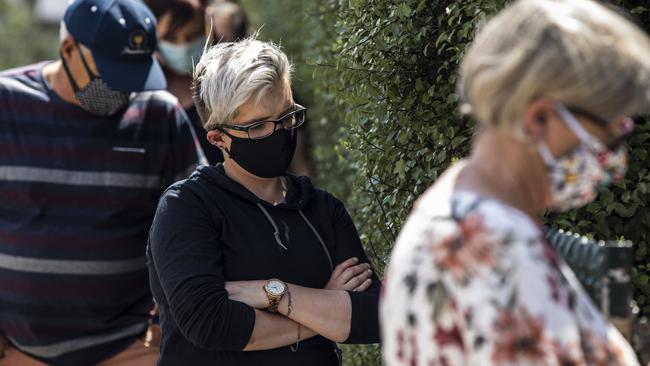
(289, 304)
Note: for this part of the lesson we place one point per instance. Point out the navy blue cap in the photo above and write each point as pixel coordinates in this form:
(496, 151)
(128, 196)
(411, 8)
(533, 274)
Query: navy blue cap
(121, 35)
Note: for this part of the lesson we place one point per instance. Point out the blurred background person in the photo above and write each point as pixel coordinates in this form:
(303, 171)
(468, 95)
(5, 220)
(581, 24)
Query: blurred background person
(472, 280)
(184, 28)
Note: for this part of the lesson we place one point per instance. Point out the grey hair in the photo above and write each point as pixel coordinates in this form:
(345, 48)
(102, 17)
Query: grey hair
(577, 52)
(229, 74)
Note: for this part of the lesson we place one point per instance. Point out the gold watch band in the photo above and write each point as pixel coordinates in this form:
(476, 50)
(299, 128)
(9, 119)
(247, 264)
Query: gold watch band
(274, 302)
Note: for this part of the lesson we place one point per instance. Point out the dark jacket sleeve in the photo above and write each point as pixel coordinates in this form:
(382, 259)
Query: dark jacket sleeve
(365, 305)
(187, 257)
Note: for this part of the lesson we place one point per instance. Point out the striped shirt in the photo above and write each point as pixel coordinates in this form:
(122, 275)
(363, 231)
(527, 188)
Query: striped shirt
(77, 196)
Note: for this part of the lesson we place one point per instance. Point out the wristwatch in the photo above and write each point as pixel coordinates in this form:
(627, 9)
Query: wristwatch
(274, 289)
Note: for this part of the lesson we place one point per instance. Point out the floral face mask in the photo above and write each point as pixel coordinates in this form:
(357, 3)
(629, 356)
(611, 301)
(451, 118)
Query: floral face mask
(577, 177)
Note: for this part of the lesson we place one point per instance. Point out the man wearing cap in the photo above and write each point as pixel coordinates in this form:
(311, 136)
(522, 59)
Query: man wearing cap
(88, 144)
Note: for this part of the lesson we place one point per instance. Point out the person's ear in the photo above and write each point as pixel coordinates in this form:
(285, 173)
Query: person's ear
(537, 115)
(215, 137)
(67, 49)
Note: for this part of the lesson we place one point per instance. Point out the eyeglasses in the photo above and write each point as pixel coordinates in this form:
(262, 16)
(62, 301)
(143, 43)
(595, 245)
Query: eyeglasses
(627, 126)
(261, 129)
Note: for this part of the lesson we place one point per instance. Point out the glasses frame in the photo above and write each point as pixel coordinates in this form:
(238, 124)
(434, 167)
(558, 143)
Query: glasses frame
(604, 124)
(246, 128)
(579, 111)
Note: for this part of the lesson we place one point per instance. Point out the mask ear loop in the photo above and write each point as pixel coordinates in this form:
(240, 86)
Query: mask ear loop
(91, 76)
(575, 126)
(75, 87)
(546, 154)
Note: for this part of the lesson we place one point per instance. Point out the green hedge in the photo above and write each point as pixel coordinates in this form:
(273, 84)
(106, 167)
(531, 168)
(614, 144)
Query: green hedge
(23, 42)
(382, 76)
(386, 77)
(395, 92)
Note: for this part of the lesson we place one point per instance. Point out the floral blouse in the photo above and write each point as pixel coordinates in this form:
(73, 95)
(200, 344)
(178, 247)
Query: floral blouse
(473, 282)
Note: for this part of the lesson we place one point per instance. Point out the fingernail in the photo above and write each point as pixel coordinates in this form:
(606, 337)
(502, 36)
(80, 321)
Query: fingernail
(355, 259)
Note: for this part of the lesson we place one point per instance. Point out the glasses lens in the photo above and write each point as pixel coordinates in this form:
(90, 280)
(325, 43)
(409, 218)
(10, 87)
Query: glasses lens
(261, 130)
(293, 120)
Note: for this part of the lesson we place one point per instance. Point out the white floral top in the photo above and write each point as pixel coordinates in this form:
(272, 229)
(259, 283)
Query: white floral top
(473, 282)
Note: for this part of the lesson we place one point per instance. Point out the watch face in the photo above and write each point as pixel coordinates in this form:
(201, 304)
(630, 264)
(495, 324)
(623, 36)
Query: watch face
(275, 287)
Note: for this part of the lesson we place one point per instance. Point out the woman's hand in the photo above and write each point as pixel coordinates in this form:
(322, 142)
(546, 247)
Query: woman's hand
(350, 276)
(249, 292)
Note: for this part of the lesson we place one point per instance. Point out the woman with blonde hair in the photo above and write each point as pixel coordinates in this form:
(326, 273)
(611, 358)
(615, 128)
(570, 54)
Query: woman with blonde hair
(251, 265)
(472, 280)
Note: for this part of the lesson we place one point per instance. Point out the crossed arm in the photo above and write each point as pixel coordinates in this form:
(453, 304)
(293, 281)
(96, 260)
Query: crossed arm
(327, 311)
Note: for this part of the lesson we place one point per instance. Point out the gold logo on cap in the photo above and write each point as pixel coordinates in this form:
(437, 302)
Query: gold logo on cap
(137, 39)
(137, 43)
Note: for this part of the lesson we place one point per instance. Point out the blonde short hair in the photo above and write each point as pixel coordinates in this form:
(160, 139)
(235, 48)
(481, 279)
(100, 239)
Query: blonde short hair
(577, 52)
(229, 74)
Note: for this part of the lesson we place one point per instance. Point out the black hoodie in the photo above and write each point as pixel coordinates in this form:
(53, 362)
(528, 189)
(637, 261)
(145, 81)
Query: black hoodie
(209, 229)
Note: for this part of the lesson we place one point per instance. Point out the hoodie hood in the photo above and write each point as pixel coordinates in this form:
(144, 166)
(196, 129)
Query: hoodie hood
(299, 192)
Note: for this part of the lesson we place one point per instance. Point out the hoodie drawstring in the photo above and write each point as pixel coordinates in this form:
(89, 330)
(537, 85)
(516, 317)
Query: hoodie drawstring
(322, 243)
(276, 233)
(337, 350)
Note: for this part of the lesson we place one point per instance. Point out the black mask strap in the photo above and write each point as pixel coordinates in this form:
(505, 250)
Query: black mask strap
(91, 76)
(75, 87)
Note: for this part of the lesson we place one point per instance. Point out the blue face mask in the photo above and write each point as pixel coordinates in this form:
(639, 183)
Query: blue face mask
(181, 58)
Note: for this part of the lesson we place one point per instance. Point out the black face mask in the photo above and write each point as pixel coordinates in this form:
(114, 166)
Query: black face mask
(97, 97)
(268, 157)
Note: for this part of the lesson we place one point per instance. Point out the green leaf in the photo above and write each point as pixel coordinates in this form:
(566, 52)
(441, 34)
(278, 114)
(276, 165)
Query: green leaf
(458, 140)
(418, 85)
(421, 5)
(404, 10)
(403, 137)
(400, 168)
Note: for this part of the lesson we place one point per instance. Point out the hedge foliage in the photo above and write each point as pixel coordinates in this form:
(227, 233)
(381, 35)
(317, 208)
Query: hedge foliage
(396, 63)
(382, 77)
(396, 67)
(21, 41)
